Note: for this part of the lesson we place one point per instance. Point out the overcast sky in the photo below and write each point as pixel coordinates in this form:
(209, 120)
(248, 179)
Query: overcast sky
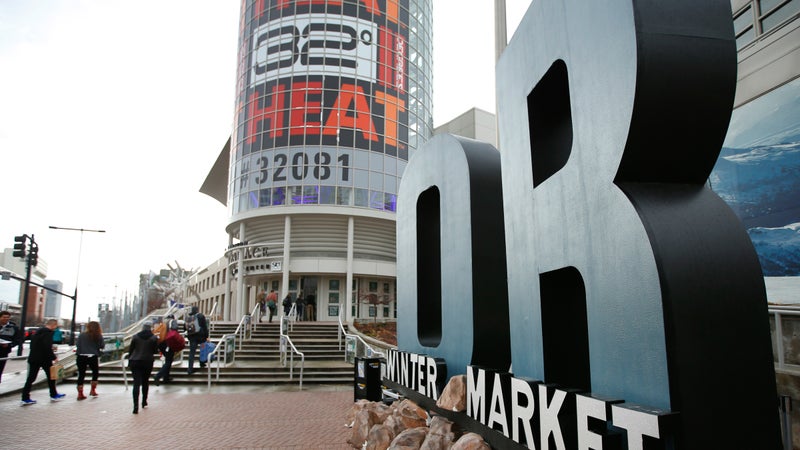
(112, 113)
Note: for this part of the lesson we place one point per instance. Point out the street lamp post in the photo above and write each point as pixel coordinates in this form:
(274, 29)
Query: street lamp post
(77, 275)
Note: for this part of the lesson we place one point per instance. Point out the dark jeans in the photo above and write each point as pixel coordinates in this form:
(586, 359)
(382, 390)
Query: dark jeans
(33, 368)
(271, 313)
(141, 371)
(163, 372)
(93, 362)
(194, 341)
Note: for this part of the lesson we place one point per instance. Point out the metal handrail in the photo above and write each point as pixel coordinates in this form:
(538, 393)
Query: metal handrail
(285, 339)
(210, 322)
(257, 314)
(343, 332)
(68, 351)
(221, 348)
(778, 312)
(244, 329)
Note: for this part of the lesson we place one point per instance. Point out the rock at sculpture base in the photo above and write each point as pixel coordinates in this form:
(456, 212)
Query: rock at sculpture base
(410, 439)
(454, 395)
(471, 441)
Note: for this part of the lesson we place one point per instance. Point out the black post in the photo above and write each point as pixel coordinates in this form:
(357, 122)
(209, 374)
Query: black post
(72, 324)
(25, 298)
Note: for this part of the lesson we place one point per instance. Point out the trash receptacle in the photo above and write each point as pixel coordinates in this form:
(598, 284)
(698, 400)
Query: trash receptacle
(230, 348)
(367, 379)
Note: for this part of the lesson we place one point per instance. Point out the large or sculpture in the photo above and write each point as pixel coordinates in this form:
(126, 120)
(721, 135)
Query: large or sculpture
(633, 291)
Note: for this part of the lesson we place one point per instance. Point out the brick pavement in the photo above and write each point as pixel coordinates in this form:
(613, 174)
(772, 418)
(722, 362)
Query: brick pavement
(238, 417)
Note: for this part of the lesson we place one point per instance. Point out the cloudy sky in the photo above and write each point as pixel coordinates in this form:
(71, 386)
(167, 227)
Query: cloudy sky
(112, 113)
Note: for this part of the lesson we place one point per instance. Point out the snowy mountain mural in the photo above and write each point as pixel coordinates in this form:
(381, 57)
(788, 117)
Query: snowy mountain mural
(758, 175)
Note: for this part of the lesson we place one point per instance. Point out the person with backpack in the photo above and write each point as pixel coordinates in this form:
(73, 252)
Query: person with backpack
(173, 343)
(197, 332)
(272, 303)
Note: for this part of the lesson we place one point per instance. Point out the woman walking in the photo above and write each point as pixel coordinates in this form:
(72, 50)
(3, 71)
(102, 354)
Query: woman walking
(143, 346)
(90, 347)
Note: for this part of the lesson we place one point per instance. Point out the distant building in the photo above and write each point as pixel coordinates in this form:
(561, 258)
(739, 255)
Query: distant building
(475, 124)
(52, 301)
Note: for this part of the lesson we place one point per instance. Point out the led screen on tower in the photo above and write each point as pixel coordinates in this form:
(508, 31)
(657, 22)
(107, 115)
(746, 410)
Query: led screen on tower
(322, 84)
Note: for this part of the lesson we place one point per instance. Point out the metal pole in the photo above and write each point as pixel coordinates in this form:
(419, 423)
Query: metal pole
(786, 419)
(77, 276)
(72, 323)
(22, 317)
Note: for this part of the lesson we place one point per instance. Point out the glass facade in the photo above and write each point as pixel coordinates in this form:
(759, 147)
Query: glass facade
(332, 99)
(760, 17)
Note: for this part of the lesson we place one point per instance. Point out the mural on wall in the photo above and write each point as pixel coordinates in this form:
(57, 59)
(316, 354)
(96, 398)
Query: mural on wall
(758, 175)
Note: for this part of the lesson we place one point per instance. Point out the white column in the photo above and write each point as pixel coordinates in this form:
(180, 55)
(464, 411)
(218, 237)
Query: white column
(240, 308)
(287, 237)
(500, 33)
(227, 298)
(348, 303)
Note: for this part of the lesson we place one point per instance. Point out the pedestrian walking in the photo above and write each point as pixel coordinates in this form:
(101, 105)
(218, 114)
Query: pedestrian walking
(10, 337)
(197, 332)
(272, 303)
(287, 304)
(41, 356)
(143, 346)
(173, 343)
(89, 349)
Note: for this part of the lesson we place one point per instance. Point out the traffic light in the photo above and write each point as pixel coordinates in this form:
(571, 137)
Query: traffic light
(19, 246)
(33, 257)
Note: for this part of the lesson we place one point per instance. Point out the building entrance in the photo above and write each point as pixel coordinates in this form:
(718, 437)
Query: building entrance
(309, 288)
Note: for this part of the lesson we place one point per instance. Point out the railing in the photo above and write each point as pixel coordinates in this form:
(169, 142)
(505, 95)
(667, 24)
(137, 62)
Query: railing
(245, 328)
(782, 314)
(220, 356)
(356, 338)
(209, 321)
(285, 343)
(67, 362)
(257, 314)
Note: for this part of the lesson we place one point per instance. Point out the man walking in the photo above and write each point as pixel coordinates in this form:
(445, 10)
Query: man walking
(10, 337)
(41, 356)
(197, 332)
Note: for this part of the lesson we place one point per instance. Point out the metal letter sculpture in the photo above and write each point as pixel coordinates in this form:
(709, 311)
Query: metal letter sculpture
(627, 277)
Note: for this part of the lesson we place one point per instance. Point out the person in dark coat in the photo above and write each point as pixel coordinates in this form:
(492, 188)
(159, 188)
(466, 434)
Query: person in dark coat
(196, 337)
(41, 356)
(144, 345)
(89, 348)
(11, 336)
(287, 304)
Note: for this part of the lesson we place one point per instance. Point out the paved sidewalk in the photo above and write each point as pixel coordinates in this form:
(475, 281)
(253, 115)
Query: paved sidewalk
(179, 417)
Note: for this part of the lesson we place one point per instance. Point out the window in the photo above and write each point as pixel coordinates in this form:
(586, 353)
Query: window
(772, 15)
(743, 27)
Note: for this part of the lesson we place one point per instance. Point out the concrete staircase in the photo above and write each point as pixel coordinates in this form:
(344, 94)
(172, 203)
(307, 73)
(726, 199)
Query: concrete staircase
(258, 361)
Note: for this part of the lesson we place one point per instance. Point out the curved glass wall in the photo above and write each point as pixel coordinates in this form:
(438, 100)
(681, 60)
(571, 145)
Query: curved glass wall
(332, 99)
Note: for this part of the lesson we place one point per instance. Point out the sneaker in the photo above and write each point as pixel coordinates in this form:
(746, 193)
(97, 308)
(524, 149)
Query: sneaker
(27, 402)
(57, 397)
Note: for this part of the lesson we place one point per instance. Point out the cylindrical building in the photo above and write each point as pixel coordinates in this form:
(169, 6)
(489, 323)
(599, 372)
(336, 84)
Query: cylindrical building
(333, 97)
